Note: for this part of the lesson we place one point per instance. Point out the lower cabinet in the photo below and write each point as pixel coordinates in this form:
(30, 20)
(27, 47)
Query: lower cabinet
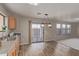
(14, 51)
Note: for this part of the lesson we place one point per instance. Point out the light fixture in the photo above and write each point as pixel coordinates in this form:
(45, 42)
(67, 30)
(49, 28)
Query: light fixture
(35, 4)
(47, 22)
(42, 25)
(49, 25)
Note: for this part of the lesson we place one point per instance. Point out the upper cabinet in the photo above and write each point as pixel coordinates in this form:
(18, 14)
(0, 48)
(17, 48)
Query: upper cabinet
(11, 22)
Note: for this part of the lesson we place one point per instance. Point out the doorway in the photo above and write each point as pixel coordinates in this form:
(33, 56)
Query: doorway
(37, 33)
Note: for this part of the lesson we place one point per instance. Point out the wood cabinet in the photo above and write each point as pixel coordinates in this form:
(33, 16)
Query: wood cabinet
(12, 53)
(11, 22)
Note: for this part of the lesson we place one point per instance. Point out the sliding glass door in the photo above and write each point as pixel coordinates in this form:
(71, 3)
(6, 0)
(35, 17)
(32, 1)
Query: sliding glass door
(37, 33)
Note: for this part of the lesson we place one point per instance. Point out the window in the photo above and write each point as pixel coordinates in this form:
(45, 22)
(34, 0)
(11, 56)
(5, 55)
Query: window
(36, 26)
(68, 29)
(2, 22)
(58, 26)
(63, 28)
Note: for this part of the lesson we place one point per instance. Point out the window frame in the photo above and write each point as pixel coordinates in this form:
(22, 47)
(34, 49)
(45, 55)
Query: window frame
(58, 29)
(68, 29)
(3, 21)
(61, 29)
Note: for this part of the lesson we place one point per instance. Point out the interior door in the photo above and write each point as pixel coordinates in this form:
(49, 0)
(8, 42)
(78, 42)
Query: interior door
(37, 33)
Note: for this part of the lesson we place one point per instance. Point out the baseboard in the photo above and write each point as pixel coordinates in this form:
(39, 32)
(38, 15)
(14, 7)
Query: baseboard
(24, 44)
(37, 42)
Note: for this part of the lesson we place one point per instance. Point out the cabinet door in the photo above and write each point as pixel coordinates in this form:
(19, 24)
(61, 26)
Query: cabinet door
(13, 53)
(11, 22)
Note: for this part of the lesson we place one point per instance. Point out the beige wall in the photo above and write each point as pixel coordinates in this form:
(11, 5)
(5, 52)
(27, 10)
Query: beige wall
(77, 29)
(22, 26)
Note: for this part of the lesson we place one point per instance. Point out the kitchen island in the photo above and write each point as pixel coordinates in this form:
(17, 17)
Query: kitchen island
(10, 47)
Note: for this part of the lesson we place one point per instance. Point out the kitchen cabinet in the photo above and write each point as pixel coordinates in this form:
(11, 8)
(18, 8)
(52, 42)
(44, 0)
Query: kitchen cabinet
(14, 51)
(11, 22)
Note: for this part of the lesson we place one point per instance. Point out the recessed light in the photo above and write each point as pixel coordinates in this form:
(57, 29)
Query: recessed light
(46, 14)
(38, 13)
(35, 4)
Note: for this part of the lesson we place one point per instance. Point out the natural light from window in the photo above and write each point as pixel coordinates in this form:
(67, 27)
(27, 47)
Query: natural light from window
(1, 22)
(63, 28)
(58, 26)
(36, 26)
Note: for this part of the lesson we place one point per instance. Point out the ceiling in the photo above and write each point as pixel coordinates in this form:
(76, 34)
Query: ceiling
(61, 11)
